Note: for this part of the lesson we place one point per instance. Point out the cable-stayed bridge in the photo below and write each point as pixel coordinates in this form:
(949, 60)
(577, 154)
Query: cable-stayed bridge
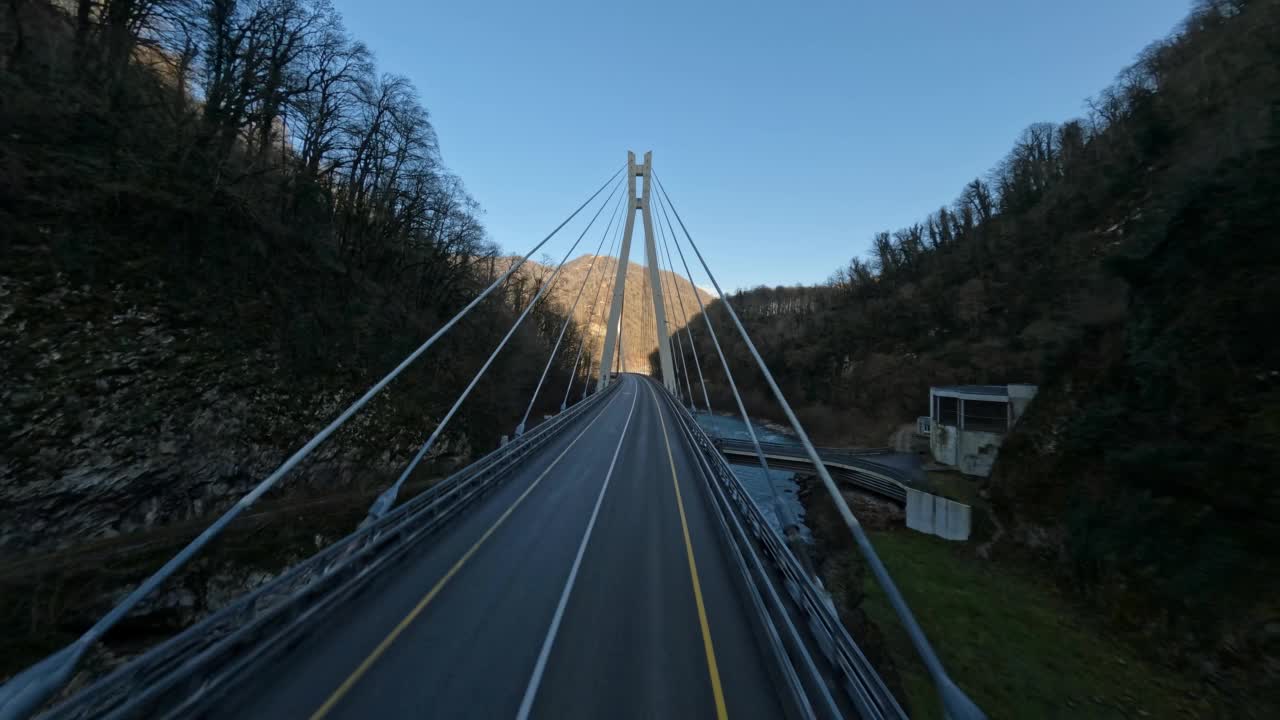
(604, 563)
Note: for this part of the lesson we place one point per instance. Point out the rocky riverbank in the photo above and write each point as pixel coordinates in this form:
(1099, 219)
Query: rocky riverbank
(843, 571)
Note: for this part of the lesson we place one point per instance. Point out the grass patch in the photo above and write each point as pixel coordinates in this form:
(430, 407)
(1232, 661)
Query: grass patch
(1017, 647)
(953, 486)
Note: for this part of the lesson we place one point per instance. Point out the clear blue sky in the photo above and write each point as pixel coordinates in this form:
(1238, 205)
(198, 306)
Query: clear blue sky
(787, 133)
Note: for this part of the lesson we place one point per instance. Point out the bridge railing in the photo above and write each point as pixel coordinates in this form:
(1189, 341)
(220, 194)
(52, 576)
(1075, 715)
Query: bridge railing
(859, 680)
(857, 468)
(190, 670)
(825, 452)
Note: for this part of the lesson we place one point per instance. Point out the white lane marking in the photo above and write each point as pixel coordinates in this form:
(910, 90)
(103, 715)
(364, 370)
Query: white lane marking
(526, 705)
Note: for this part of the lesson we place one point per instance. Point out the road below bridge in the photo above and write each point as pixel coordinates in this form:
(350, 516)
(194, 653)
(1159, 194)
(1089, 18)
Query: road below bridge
(593, 583)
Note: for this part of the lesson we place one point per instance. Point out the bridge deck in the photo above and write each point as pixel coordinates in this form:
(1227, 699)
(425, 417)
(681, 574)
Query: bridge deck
(457, 632)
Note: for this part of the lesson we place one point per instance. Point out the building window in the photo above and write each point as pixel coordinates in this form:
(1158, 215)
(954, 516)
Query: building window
(948, 411)
(986, 416)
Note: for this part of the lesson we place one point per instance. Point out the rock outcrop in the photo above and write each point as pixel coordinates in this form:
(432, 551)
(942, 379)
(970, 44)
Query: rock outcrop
(120, 413)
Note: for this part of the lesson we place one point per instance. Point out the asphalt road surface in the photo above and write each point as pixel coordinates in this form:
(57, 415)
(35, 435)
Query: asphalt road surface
(591, 584)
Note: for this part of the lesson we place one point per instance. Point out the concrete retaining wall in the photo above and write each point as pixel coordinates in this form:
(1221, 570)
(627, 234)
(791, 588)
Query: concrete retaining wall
(939, 516)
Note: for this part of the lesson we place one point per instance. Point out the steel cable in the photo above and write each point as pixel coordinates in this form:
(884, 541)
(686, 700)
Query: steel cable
(569, 317)
(668, 302)
(388, 497)
(591, 314)
(27, 690)
(956, 704)
(688, 330)
(789, 525)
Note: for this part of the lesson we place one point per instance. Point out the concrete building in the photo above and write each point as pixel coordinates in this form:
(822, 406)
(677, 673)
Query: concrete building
(967, 423)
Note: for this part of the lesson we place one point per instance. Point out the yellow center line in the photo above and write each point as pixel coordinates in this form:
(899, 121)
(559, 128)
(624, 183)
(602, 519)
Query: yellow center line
(363, 668)
(712, 668)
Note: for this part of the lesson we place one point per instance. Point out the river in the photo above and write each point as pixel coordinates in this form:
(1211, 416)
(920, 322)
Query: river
(752, 476)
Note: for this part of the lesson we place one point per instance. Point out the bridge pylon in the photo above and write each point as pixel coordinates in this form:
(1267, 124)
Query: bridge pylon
(611, 338)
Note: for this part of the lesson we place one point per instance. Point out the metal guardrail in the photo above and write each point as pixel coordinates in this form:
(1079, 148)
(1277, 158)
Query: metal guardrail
(833, 453)
(921, 507)
(794, 672)
(851, 466)
(191, 669)
(810, 603)
(24, 693)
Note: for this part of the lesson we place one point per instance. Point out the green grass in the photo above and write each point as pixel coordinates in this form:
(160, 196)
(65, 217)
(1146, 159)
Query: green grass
(953, 486)
(1014, 645)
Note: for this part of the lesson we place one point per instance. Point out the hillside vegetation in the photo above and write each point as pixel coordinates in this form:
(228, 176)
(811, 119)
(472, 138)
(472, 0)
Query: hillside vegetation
(220, 223)
(1128, 263)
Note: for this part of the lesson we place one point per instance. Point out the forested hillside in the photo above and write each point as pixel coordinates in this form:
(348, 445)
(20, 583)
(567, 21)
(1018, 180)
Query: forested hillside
(220, 222)
(225, 202)
(1128, 263)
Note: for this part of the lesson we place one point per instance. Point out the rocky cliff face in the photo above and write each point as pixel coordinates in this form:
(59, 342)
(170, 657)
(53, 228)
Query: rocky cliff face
(120, 413)
(639, 331)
